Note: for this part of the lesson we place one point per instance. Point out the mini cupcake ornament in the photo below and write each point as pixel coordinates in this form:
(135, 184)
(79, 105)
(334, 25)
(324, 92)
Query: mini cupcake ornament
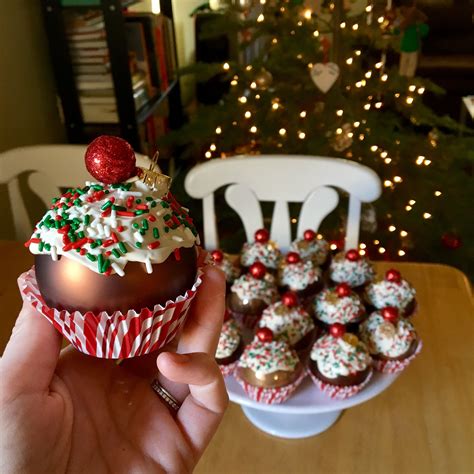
(338, 305)
(269, 370)
(261, 250)
(392, 340)
(313, 248)
(251, 293)
(392, 290)
(290, 322)
(301, 277)
(225, 263)
(340, 364)
(229, 347)
(352, 268)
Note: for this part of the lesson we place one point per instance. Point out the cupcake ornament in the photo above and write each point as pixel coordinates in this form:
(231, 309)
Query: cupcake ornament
(227, 265)
(262, 250)
(229, 347)
(115, 260)
(352, 268)
(312, 247)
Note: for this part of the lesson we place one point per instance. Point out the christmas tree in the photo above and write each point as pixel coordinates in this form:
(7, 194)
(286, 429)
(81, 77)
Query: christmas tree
(325, 83)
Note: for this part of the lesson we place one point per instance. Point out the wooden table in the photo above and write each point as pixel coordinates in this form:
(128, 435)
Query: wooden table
(423, 423)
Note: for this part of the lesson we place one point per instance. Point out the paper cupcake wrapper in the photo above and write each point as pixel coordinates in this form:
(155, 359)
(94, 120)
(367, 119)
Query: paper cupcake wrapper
(335, 391)
(395, 366)
(228, 369)
(270, 395)
(116, 335)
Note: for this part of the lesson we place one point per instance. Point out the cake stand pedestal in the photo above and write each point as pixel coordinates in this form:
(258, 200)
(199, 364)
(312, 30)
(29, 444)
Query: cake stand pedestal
(308, 412)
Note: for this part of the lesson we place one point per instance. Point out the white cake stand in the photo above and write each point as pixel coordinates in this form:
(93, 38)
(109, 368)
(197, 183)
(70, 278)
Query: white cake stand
(308, 412)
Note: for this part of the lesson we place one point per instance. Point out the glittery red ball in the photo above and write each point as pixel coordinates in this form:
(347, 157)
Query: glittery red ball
(309, 235)
(289, 299)
(293, 257)
(390, 314)
(337, 330)
(352, 255)
(393, 275)
(217, 256)
(258, 270)
(265, 334)
(343, 289)
(110, 160)
(262, 236)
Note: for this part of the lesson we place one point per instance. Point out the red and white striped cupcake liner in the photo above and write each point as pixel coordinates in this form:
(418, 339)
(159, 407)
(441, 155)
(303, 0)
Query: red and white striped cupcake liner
(117, 335)
(228, 369)
(336, 391)
(395, 366)
(270, 396)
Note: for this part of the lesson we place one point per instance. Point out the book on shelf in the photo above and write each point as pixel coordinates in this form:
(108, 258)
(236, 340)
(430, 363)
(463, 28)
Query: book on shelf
(82, 37)
(89, 53)
(86, 45)
(83, 22)
(101, 68)
(170, 48)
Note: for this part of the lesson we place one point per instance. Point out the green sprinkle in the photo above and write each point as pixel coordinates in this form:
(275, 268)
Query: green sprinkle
(167, 229)
(47, 247)
(165, 204)
(149, 198)
(138, 245)
(118, 208)
(145, 224)
(72, 238)
(81, 234)
(135, 225)
(116, 253)
(94, 245)
(99, 241)
(156, 233)
(55, 200)
(106, 205)
(86, 189)
(41, 246)
(122, 247)
(87, 219)
(100, 263)
(153, 204)
(80, 191)
(57, 224)
(139, 213)
(167, 217)
(138, 201)
(142, 232)
(97, 187)
(107, 191)
(77, 202)
(78, 250)
(91, 257)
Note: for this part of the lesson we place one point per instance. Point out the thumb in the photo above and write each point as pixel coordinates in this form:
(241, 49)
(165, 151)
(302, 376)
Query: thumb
(31, 355)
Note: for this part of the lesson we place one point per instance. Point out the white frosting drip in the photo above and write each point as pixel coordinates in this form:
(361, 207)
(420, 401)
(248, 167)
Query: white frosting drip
(354, 274)
(266, 253)
(249, 288)
(229, 340)
(330, 308)
(298, 276)
(386, 293)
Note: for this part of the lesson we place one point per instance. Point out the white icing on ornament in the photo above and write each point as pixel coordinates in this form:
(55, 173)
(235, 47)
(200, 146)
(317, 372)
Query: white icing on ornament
(316, 250)
(330, 308)
(103, 227)
(290, 324)
(268, 357)
(266, 253)
(384, 293)
(229, 340)
(385, 338)
(249, 288)
(354, 273)
(298, 276)
(335, 357)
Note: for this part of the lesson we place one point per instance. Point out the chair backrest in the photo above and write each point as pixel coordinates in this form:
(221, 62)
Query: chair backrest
(283, 179)
(52, 167)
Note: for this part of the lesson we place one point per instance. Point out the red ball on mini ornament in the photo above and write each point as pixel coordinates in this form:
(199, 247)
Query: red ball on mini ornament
(289, 299)
(390, 314)
(258, 270)
(451, 240)
(393, 275)
(293, 257)
(352, 255)
(309, 235)
(110, 160)
(343, 289)
(337, 330)
(217, 256)
(265, 335)
(262, 236)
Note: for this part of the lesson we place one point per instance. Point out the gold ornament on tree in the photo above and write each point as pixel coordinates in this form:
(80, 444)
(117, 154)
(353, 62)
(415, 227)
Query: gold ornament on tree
(433, 137)
(263, 79)
(343, 140)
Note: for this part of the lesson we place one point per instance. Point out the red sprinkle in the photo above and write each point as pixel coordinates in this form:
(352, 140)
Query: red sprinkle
(66, 239)
(108, 243)
(175, 220)
(177, 254)
(112, 199)
(114, 237)
(67, 195)
(130, 201)
(125, 214)
(151, 218)
(154, 245)
(142, 207)
(120, 228)
(83, 251)
(32, 241)
(64, 229)
(106, 213)
(75, 245)
(108, 253)
(108, 272)
(89, 240)
(58, 218)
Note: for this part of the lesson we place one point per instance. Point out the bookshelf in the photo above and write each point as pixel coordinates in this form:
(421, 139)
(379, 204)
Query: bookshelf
(131, 119)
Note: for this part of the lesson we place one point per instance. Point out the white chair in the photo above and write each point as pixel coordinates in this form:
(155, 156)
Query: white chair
(52, 167)
(283, 179)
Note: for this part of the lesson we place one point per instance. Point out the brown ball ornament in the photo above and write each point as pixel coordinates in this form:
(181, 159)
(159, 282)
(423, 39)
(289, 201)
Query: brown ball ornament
(68, 285)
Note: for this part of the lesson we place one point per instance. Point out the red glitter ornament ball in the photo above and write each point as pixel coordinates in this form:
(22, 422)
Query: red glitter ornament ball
(289, 299)
(393, 275)
(451, 241)
(343, 289)
(217, 256)
(265, 334)
(390, 314)
(293, 257)
(110, 160)
(337, 330)
(258, 270)
(262, 236)
(352, 255)
(309, 235)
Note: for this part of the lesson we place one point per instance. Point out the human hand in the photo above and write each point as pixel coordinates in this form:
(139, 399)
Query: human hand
(66, 411)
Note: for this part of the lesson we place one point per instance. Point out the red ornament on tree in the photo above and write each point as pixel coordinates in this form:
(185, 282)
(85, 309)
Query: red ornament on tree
(262, 236)
(110, 160)
(352, 255)
(451, 240)
(309, 235)
(217, 256)
(265, 334)
(393, 275)
(289, 299)
(390, 314)
(337, 330)
(258, 270)
(293, 257)
(343, 289)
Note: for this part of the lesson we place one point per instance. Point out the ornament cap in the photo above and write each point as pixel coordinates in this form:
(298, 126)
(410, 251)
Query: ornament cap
(343, 290)
(352, 255)
(390, 314)
(265, 335)
(289, 299)
(258, 270)
(309, 235)
(217, 255)
(393, 275)
(337, 330)
(262, 236)
(293, 257)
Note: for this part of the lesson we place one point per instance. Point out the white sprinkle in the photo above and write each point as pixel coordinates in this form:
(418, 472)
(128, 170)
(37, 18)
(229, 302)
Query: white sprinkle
(107, 230)
(118, 269)
(100, 228)
(185, 209)
(177, 238)
(130, 193)
(148, 266)
(91, 232)
(138, 236)
(198, 240)
(161, 212)
(54, 253)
